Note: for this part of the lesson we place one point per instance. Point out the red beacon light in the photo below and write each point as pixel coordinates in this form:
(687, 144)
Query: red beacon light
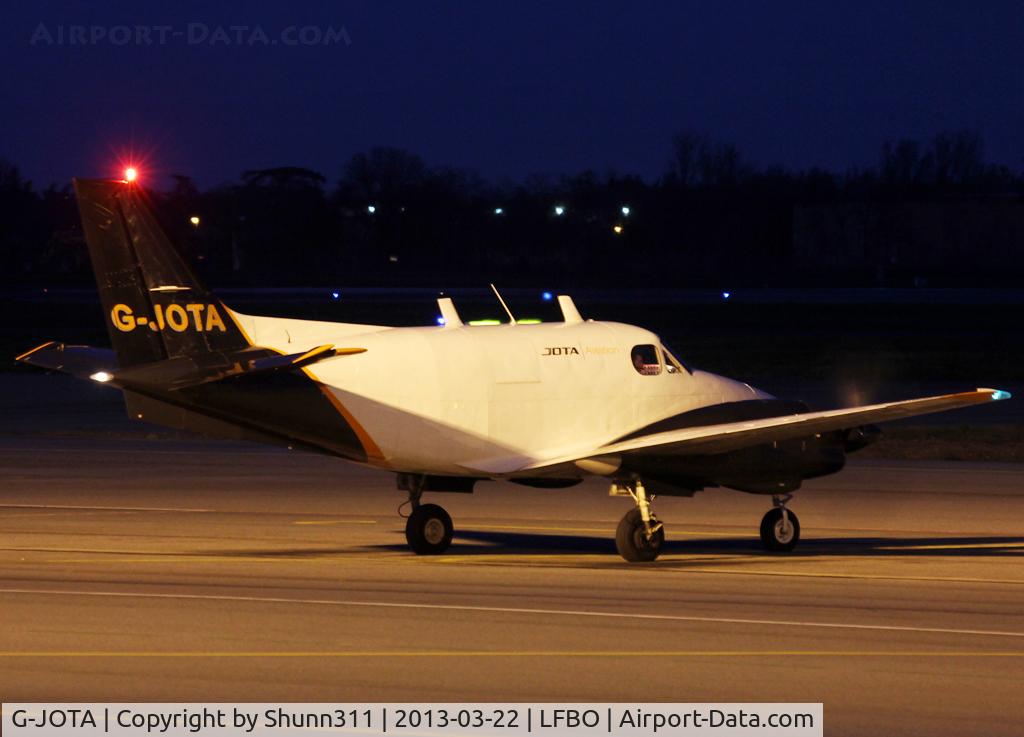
(130, 174)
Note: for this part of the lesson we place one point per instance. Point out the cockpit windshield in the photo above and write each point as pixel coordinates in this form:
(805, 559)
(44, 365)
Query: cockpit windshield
(672, 364)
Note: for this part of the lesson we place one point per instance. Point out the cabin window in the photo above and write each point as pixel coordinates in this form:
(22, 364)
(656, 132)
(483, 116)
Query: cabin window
(672, 364)
(645, 360)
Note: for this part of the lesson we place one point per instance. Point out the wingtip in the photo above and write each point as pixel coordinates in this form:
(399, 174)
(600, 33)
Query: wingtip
(996, 394)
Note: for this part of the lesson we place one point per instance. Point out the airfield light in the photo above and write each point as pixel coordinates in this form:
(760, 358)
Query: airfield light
(194, 220)
(559, 210)
(626, 211)
(546, 296)
(131, 174)
(101, 376)
(499, 211)
(335, 295)
(440, 320)
(528, 321)
(726, 295)
(618, 229)
(371, 209)
(477, 323)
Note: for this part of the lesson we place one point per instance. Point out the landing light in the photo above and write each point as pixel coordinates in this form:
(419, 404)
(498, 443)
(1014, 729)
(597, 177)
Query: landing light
(101, 376)
(194, 220)
(130, 174)
(499, 211)
(626, 210)
(559, 210)
(371, 209)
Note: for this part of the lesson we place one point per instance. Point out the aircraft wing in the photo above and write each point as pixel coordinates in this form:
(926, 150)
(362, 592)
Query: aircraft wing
(721, 438)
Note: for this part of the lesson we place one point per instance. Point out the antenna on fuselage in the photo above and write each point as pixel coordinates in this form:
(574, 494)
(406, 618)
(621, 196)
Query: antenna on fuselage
(507, 310)
(449, 314)
(570, 314)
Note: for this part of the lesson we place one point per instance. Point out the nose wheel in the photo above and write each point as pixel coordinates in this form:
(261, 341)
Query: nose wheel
(639, 536)
(780, 528)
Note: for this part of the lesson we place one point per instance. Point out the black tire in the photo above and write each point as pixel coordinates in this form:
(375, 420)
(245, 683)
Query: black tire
(631, 541)
(429, 530)
(773, 535)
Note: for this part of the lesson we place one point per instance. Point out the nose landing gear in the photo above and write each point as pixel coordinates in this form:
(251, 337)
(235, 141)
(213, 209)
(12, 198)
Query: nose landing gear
(639, 536)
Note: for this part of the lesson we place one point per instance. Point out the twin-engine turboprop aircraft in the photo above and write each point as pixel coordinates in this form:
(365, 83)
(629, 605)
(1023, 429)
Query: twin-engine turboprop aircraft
(446, 406)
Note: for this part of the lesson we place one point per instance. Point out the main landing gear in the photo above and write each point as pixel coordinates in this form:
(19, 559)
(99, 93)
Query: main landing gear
(428, 528)
(639, 536)
(780, 529)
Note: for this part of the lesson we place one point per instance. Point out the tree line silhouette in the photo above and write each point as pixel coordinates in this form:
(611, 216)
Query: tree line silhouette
(935, 214)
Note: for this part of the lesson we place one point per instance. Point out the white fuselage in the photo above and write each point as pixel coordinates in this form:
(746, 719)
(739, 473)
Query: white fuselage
(490, 399)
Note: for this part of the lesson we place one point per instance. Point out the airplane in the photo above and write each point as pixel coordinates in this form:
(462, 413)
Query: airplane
(446, 406)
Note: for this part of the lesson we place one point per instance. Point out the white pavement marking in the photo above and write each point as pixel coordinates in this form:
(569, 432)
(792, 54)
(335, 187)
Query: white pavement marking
(518, 610)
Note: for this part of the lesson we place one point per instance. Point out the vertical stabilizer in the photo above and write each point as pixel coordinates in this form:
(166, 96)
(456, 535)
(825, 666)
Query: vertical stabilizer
(155, 306)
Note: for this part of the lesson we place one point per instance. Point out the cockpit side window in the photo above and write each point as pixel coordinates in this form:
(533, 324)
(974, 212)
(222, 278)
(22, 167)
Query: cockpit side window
(672, 364)
(645, 360)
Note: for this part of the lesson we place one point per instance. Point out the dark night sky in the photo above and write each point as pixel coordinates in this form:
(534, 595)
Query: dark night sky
(509, 89)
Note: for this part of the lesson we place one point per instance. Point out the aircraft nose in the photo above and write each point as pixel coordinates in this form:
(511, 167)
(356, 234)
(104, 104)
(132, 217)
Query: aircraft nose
(731, 390)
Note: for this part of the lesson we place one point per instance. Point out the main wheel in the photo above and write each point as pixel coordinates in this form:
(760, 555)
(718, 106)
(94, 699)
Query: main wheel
(428, 530)
(778, 534)
(632, 542)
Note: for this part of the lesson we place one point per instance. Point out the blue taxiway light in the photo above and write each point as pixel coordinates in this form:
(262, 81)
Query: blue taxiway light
(546, 296)
(440, 320)
(726, 295)
(335, 295)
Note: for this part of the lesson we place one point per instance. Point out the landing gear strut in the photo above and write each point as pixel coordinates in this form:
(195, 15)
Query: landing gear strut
(780, 529)
(640, 535)
(428, 528)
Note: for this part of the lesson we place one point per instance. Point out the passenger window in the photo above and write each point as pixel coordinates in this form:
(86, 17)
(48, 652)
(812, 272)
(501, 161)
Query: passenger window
(645, 360)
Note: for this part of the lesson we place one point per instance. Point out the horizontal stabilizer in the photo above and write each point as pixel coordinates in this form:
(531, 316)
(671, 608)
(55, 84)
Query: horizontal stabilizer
(173, 374)
(252, 361)
(296, 360)
(79, 360)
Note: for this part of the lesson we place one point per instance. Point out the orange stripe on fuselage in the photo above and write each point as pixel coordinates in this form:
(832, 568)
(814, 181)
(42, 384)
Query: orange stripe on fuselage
(370, 448)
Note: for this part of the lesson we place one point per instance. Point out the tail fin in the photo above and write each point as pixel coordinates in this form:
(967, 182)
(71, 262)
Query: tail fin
(155, 306)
